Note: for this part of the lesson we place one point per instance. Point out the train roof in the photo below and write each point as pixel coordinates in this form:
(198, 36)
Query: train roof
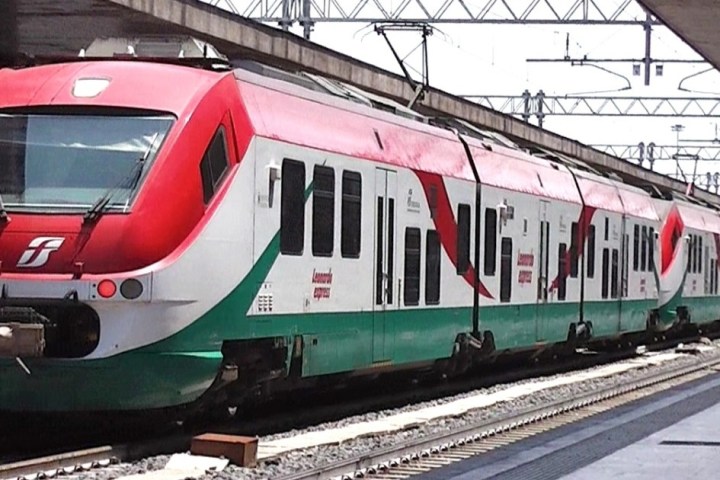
(343, 126)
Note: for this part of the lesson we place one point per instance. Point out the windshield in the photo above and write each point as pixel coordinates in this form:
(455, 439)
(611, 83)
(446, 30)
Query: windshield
(69, 161)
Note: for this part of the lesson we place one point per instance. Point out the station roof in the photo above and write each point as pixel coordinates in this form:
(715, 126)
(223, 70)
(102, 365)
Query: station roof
(694, 21)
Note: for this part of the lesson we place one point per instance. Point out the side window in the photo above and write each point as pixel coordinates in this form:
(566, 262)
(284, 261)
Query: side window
(700, 254)
(463, 239)
(605, 272)
(636, 247)
(213, 165)
(505, 269)
(574, 250)
(432, 268)
(292, 208)
(614, 274)
(651, 249)
(412, 266)
(490, 241)
(591, 252)
(607, 228)
(351, 208)
(643, 250)
(562, 271)
(323, 214)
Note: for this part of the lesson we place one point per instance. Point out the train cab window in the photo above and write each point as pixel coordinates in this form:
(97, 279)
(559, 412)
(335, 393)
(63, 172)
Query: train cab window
(490, 241)
(411, 291)
(432, 268)
(506, 269)
(323, 212)
(636, 247)
(463, 239)
(591, 252)
(292, 208)
(351, 209)
(643, 250)
(574, 250)
(562, 271)
(213, 165)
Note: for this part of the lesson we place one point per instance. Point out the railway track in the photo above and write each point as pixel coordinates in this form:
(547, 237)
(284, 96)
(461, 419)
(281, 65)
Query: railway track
(418, 456)
(107, 455)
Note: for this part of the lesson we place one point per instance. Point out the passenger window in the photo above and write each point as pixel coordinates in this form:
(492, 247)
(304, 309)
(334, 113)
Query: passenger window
(463, 239)
(643, 250)
(636, 247)
(651, 249)
(323, 211)
(351, 214)
(213, 165)
(490, 241)
(700, 255)
(506, 269)
(432, 268)
(412, 266)
(605, 272)
(614, 273)
(292, 208)
(562, 271)
(591, 252)
(574, 250)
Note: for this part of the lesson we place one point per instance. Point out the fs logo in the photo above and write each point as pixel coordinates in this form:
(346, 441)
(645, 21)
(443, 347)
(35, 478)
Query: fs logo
(38, 252)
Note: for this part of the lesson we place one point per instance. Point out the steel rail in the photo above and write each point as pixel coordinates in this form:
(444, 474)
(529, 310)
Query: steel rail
(89, 458)
(418, 448)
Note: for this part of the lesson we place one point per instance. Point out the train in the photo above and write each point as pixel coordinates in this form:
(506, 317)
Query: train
(186, 230)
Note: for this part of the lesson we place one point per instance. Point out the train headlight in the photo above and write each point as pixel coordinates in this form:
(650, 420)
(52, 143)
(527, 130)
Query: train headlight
(106, 288)
(131, 289)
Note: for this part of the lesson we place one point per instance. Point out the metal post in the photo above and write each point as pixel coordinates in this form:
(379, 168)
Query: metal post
(306, 21)
(648, 38)
(526, 105)
(540, 99)
(286, 20)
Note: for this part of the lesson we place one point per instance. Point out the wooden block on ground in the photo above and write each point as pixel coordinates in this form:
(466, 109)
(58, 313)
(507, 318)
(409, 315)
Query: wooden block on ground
(241, 451)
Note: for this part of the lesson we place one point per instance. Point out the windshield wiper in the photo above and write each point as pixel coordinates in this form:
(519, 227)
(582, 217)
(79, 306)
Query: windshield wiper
(101, 204)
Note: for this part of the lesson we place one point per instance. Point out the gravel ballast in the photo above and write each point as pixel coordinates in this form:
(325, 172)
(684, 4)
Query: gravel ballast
(308, 458)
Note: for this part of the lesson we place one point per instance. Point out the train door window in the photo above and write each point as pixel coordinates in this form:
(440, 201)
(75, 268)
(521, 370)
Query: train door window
(625, 266)
(391, 249)
(432, 268)
(463, 239)
(411, 291)
(693, 253)
(292, 208)
(213, 165)
(636, 247)
(490, 241)
(605, 272)
(351, 215)
(562, 271)
(574, 250)
(706, 276)
(323, 211)
(715, 276)
(614, 274)
(711, 277)
(505, 269)
(700, 254)
(651, 249)
(591, 252)
(379, 248)
(643, 249)
(544, 260)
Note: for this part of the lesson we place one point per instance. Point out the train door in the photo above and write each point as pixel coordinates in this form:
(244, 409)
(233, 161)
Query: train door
(543, 268)
(385, 295)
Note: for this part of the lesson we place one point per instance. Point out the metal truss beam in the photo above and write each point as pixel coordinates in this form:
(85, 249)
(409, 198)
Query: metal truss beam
(662, 152)
(541, 105)
(550, 12)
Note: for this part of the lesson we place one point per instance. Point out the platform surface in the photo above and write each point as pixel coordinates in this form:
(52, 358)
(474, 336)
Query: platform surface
(673, 434)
